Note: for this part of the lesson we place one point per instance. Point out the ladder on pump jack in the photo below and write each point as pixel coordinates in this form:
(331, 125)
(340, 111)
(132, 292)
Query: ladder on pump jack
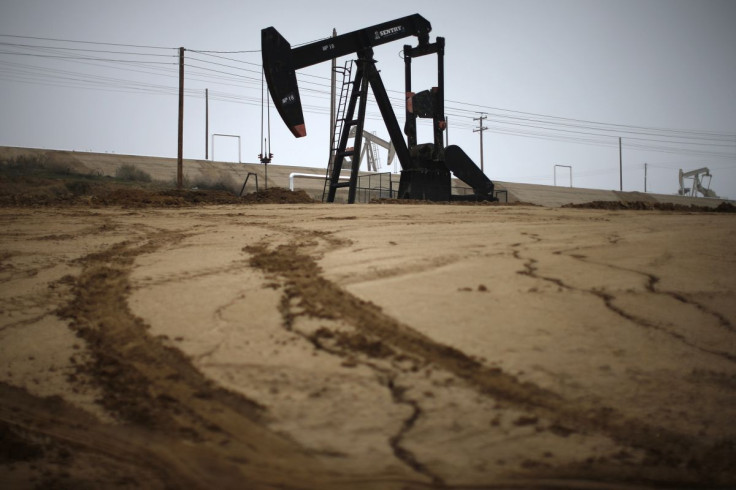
(373, 155)
(358, 96)
(339, 122)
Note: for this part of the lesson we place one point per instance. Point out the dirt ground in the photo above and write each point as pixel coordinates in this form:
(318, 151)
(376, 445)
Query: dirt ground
(366, 346)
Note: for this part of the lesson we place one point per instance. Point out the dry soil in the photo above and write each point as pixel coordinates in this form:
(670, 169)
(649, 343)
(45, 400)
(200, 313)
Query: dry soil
(366, 346)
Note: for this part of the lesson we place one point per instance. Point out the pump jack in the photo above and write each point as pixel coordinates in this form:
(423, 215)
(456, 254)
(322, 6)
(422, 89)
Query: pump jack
(371, 141)
(698, 177)
(425, 167)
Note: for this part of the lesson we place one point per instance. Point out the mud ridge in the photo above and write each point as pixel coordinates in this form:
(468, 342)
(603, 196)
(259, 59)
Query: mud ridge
(356, 348)
(155, 388)
(319, 298)
(47, 430)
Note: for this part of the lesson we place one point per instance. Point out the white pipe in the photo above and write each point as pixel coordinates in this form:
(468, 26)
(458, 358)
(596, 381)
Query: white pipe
(308, 176)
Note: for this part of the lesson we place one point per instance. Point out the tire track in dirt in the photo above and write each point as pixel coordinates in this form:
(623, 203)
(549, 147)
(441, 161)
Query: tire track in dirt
(179, 429)
(357, 348)
(354, 348)
(47, 432)
(316, 297)
(157, 390)
(28, 305)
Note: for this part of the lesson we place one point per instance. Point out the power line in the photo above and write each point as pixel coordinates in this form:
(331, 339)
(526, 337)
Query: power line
(618, 131)
(517, 123)
(623, 126)
(599, 130)
(695, 134)
(226, 52)
(258, 65)
(86, 42)
(209, 53)
(36, 55)
(106, 51)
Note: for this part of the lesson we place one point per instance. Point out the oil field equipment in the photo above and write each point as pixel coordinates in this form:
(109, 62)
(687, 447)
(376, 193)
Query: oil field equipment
(698, 185)
(426, 168)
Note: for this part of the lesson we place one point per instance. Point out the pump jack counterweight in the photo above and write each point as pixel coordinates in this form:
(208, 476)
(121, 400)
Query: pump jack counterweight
(426, 167)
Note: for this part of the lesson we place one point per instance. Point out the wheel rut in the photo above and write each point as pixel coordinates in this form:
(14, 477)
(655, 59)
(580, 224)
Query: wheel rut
(177, 429)
(304, 286)
(157, 390)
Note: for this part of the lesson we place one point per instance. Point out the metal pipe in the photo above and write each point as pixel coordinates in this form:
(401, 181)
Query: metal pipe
(308, 176)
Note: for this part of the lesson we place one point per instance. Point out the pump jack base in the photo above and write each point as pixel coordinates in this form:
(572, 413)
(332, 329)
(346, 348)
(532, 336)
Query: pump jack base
(425, 183)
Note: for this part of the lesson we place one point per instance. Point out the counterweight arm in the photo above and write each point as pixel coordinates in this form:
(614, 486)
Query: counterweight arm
(280, 60)
(352, 42)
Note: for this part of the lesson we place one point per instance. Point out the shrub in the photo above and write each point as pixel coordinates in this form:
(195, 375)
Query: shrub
(133, 173)
(223, 182)
(22, 165)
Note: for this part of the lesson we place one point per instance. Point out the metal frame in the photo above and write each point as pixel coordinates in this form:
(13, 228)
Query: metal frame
(240, 153)
(382, 192)
(246, 181)
(294, 175)
(555, 173)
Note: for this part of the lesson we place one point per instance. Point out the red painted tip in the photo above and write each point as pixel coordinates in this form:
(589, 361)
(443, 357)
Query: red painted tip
(299, 130)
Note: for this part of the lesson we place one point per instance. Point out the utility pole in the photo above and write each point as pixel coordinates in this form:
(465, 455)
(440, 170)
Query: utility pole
(645, 177)
(620, 167)
(480, 130)
(180, 154)
(206, 123)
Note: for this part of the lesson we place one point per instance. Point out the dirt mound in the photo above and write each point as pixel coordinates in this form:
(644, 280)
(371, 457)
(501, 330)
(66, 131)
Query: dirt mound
(97, 192)
(134, 197)
(44, 181)
(456, 203)
(277, 195)
(724, 207)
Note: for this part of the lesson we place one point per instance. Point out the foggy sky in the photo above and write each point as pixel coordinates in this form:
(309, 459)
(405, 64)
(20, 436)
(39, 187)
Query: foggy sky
(560, 81)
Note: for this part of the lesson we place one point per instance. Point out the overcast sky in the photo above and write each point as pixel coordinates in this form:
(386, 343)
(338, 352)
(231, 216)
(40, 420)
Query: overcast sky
(559, 81)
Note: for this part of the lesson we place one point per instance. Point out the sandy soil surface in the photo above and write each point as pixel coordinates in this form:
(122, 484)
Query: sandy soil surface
(366, 346)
